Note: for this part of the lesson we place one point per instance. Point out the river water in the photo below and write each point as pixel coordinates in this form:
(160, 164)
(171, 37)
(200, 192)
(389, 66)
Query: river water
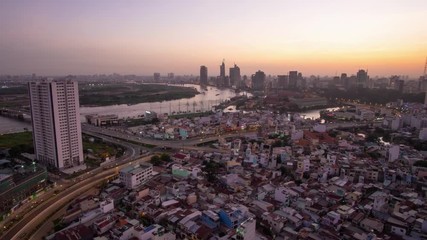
(9, 125)
(199, 103)
(204, 101)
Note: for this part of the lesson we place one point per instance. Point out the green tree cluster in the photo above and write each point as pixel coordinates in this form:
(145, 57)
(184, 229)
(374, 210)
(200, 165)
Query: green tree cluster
(211, 169)
(157, 160)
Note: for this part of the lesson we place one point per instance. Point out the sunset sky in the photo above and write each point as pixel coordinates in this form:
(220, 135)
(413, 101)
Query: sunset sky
(320, 37)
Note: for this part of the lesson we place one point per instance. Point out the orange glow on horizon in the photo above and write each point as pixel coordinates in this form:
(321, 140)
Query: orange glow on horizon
(387, 37)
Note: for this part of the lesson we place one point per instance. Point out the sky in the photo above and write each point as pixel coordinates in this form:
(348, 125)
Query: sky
(315, 37)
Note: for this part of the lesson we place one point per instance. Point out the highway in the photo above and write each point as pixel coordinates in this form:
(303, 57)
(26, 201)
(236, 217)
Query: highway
(70, 189)
(29, 210)
(187, 144)
(47, 226)
(24, 228)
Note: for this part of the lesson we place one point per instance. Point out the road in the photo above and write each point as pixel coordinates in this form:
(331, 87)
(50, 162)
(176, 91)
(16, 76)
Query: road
(69, 187)
(47, 226)
(37, 216)
(131, 153)
(187, 144)
(49, 203)
(133, 150)
(330, 126)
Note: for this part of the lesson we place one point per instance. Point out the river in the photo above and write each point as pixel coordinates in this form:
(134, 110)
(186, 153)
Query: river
(199, 103)
(9, 125)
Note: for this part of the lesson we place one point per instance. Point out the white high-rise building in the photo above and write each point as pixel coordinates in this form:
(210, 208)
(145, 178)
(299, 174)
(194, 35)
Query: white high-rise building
(56, 123)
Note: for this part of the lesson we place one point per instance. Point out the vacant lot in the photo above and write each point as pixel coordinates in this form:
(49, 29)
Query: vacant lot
(14, 139)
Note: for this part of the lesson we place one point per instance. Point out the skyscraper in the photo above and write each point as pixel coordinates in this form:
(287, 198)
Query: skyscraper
(362, 78)
(222, 80)
(258, 80)
(344, 80)
(156, 77)
(235, 77)
(282, 81)
(293, 79)
(222, 70)
(56, 123)
(203, 75)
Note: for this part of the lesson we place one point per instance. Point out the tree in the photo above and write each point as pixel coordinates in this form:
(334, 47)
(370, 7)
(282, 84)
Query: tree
(421, 163)
(155, 160)
(372, 138)
(278, 159)
(165, 157)
(284, 171)
(211, 168)
(58, 224)
(15, 151)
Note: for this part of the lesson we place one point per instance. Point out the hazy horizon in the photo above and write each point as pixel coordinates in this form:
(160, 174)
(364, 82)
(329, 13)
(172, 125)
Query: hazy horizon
(142, 37)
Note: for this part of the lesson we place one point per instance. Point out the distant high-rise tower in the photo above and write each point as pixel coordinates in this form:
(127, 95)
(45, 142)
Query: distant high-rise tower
(397, 83)
(156, 77)
(293, 79)
(258, 80)
(245, 81)
(222, 70)
(203, 75)
(344, 80)
(222, 80)
(282, 81)
(362, 78)
(56, 124)
(235, 77)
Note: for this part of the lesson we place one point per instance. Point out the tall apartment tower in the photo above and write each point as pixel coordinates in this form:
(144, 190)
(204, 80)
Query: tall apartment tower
(56, 124)
(156, 77)
(203, 75)
(282, 81)
(222, 70)
(222, 79)
(258, 80)
(235, 77)
(362, 78)
(293, 79)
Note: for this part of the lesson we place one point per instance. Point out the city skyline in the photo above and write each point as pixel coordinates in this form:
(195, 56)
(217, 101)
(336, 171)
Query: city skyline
(143, 37)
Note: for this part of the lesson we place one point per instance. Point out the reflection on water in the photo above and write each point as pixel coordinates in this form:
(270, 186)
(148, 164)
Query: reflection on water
(204, 101)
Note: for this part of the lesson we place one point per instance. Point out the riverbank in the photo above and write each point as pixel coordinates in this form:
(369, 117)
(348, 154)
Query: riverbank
(10, 125)
(204, 102)
(117, 94)
(105, 94)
